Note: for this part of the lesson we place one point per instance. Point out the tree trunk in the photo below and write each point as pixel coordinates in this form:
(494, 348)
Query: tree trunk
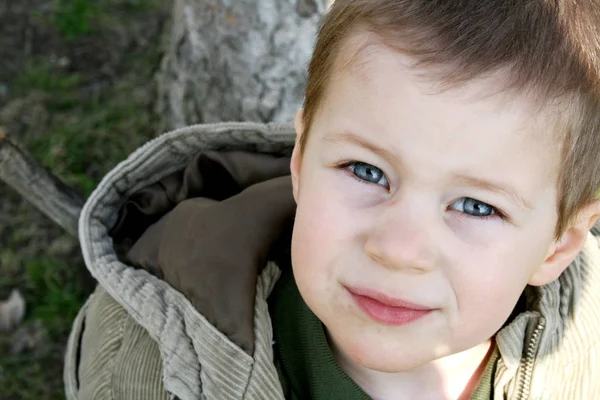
(226, 60)
(236, 60)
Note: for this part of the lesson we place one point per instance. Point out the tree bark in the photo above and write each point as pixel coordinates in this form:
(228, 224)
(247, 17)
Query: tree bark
(225, 60)
(236, 60)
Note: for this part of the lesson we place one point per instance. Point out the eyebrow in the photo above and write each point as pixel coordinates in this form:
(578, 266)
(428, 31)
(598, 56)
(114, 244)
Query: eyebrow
(509, 192)
(353, 138)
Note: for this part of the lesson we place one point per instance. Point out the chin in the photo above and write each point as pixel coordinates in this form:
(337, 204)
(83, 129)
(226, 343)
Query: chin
(388, 364)
(379, 358)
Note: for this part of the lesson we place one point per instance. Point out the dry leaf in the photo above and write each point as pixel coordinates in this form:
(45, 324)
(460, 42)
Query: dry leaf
(12, 311)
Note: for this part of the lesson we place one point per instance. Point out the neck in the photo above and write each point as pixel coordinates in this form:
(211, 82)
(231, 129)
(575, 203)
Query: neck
(451, 377)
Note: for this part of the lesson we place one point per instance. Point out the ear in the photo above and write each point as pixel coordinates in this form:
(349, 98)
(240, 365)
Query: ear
(296, 161)
(564, 250)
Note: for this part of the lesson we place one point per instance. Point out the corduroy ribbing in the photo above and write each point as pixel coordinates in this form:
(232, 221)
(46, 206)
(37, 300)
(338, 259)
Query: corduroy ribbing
(121, 361)
(199, 362)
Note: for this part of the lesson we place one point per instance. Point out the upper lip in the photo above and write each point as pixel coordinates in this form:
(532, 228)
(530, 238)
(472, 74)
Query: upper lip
(387, 300)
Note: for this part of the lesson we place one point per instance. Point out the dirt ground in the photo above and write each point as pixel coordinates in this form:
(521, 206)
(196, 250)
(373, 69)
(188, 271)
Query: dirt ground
(76, 90)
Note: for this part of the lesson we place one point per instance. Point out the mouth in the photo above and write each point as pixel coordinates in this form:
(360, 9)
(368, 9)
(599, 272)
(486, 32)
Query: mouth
(385, 309)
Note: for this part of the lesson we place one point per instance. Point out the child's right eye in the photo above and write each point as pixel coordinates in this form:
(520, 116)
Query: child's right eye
(368, 173)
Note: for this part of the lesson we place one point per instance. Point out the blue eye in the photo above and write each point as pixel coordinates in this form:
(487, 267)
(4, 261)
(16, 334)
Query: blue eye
(368, 173)
(473, 207)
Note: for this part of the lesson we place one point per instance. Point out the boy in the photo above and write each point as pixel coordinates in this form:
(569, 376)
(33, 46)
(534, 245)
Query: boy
(445, 177)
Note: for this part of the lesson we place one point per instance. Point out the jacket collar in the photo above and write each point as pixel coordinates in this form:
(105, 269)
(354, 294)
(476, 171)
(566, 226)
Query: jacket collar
(561, 324)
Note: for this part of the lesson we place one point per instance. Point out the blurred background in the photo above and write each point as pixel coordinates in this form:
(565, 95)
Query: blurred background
(76, 90)
(82, 84)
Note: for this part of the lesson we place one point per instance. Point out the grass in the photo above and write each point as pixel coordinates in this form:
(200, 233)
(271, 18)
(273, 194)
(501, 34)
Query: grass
(56, 291)
(72, 17)
(40, 75)
(75, 18)
(90, 135)
(79, 106)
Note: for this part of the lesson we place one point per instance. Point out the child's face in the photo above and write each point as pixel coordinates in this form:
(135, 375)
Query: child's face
(453, 209)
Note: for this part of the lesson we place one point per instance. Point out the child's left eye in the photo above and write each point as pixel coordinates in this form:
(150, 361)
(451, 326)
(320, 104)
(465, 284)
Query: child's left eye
(473, 207)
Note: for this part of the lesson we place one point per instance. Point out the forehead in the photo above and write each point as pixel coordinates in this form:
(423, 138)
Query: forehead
(375, 88)
(364, 54)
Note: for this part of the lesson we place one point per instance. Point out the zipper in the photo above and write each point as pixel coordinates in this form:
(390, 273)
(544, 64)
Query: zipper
(528, 362)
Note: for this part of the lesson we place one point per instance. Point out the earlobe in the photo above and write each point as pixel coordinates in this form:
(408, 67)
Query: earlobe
(296, 161)
(564, 250)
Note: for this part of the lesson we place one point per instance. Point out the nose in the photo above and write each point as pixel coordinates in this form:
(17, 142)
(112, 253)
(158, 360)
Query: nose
(403, 240)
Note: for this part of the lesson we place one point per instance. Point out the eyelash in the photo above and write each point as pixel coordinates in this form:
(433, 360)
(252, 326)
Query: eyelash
(496, 214)
(346, 167)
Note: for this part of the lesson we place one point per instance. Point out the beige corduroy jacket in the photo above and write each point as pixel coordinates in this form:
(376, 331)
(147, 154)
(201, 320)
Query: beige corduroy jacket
(139, 336)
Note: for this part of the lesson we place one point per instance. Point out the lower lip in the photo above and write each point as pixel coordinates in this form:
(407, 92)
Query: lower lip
(388, 315)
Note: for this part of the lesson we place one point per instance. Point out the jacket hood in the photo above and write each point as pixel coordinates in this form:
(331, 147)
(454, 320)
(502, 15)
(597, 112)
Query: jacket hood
(217, 224)
(222, 185)
(145, 229)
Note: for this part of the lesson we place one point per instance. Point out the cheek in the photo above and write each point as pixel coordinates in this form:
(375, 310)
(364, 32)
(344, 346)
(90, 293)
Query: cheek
(325, 218)
(316, 231)
(488, 281)
(502, 260)
(312, 243)
(323, 231)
